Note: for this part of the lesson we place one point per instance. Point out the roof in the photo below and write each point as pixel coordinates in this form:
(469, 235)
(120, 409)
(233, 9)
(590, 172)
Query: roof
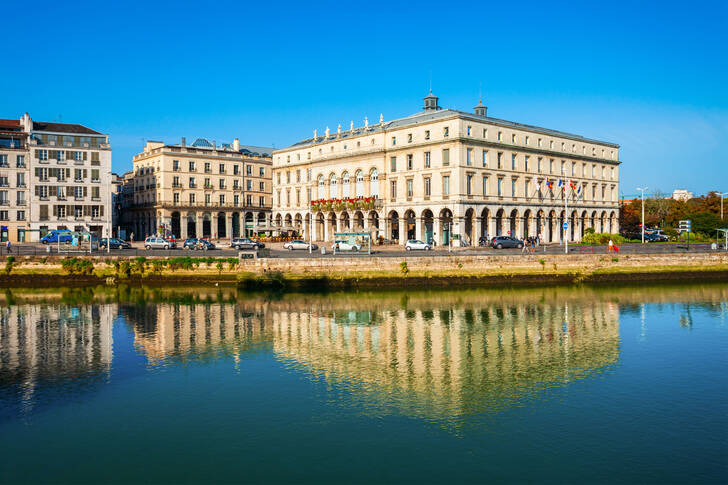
(251, 150)
(63, 128)
(9, 123)
(431, 115)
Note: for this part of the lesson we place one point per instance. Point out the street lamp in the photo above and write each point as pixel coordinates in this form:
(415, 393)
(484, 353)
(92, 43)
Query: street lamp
(721, 203)
(641, 189)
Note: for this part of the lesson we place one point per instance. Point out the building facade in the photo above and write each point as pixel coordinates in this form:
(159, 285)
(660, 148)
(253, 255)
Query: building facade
(200, 190)
(53, 176)
(13, 181)
(445, 175)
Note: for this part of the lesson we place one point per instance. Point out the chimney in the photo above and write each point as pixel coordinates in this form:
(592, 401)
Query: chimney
(236, 145)
(184, 141)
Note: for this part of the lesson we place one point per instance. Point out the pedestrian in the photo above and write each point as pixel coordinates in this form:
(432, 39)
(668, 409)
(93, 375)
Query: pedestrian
(131, 236)
(7, 246)
(525, 248)
(610, 247)
(533, 245)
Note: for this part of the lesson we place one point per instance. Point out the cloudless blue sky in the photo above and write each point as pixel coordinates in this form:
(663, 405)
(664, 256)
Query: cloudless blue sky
(651, 76)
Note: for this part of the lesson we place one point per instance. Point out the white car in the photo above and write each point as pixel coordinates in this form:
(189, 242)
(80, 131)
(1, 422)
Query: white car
(345, 246)
(298, 244)
(416, 244)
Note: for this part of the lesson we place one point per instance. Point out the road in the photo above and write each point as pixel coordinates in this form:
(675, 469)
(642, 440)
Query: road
(380, 251)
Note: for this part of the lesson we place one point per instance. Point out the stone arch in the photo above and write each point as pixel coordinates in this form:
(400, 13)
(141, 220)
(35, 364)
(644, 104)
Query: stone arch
(235, 224)
(393, 219)
(206, 225)
(320, 227)
(191, 224)
(572, 225)
(593, 222)
(332, 224)
(288, 220)
(279, 220)
(484, 218)
(345, 222)
(540, 221)
(175, 224)
(358, 221)
(469, 220)
(562, 218)
(526, 223)
(612, 223)
(445, 225)
(499, 216)
(373, 220)
(513, 223)
(584, 222)
(603, 222)
(221, 231)
(428, 224)
(298, 222)
(410, 224)
(551, 221)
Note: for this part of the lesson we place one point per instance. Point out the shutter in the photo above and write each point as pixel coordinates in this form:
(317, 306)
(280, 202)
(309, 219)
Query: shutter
(37, 154)
(68, 173)
(101, 210)
(55, 211)
(37, 171)
(85, 155)
(37, 189)
(52, 172)
(85, 191)
(53, 190)
(85, 172)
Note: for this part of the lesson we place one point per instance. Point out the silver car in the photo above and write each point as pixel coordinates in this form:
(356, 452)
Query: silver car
(298, 244)
(416, 244)
(158, 243)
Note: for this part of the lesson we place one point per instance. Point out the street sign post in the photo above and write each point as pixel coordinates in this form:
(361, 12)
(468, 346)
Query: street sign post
(686, 226)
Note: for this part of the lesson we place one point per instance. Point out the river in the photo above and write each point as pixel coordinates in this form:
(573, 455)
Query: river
(560, 385)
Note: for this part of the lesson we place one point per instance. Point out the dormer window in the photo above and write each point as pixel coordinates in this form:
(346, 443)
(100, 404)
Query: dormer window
(446, 131)
(394, 140)
(427, 134)
(409, 138)
(470, 128)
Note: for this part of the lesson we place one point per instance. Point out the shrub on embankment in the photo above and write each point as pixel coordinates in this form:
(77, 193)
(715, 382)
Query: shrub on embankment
(602, 238)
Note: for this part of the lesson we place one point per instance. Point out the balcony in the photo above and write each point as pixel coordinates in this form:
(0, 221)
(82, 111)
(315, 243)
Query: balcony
(20, 165)
(95, 181)
(78, 162)
(4, 165)
(20, 203)
(193, 186)
(177, 186)
(4, 202)
(20, 185)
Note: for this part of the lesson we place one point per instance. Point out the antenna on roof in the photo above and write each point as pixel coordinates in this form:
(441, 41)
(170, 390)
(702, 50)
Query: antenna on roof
(480, 92)
(430, 81)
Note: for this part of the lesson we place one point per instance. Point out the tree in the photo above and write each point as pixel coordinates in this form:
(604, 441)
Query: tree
(630, 216)
(705, 223)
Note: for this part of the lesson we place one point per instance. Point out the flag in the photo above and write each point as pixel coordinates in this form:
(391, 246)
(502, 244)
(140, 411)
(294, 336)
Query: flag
(549, 183)
(561, 185)
(578, 191)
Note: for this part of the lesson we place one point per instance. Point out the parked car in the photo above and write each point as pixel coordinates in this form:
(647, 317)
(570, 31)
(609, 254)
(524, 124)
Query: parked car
(298, 244)
(204, 245)
(500, 242)
(158, 243)
(655, 237)
(190, 243)
(345, 246)
(56, 236)
(416, 244)
(114, 243)
(246, 243)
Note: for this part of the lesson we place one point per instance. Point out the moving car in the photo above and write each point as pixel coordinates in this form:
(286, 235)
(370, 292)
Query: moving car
(190, 243)
(114, 243)
(246, 243)
(416, 244)
(158, 243)
(204, 245)
(655, 237)
(345, 246)
(56, 236)
(298, 244)
(500, 242)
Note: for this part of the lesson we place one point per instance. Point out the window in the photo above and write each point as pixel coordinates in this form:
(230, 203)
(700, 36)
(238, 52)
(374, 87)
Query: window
(409, 162)
(526, 188)
(427, 134)
(446, 185)
(551, 166)
(20, 161)
(236, 169)
(394, 140)
(261, 201)
(374, 183)
(485, 132)
(409, 188)
(393, 162)
(345, 185)
(470, 128)
(538, 163)
(288, 177)
(278, 176)
(428, 187)
(321, 187)
(236, 200)
(500, 186)
(208, 184)
(208, 167)
(20, 178)
(78, 156)
(469, 156)
(594, 171)
(332, 186)
(500, 136)
(298, 176)
(393, 189)
(446, 131)
(175, 198)
(468, 184)
(249, 200)
(446, 157)
(485, 185)
(612, 176)
(21, 215)
(513, 187)
(551, 144)
(192, 199)
(500, 159)
(485, 158)
(208, 199)
(513, 161)
(604, 172)
(61, 156)
(262, 186)
(4, 161)
(525, 163)
(583, 169)
(222, 168)
(298, 196)
(308, 174)
(427, 159)
(526, 140)
(192, 183)
(513, 139)
(359, 180)
(248, 170)
(175, 165)
(41, 155)
(261, 172)
(192, 166)
(573, 169)
(221, 183)
(409, 137)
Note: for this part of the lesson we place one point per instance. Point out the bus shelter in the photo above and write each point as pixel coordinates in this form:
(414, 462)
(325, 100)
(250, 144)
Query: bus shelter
(724, 233)
(359, 238)
(79, 242)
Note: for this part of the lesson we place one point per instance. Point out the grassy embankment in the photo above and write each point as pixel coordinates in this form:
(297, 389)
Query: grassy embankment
(227, 271)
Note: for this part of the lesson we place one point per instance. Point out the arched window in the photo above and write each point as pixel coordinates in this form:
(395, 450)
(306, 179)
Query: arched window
(321, 187)
(374, 183)
(359, 183)
(332, 186)
(345, 185)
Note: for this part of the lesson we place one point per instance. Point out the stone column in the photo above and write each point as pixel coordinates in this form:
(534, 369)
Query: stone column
(229, 226)
(326, 228)
(491, 226)
(402, 230)
(183, 226)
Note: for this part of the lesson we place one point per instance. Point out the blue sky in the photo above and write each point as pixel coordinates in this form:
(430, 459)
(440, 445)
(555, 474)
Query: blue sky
(651, 76)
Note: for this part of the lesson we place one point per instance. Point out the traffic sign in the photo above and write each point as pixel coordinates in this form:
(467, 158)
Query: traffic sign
(566, 225)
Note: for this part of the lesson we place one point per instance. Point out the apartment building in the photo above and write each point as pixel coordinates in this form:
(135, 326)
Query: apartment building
(70, 178)
(200, 190)
(13, 181)
(444, 175)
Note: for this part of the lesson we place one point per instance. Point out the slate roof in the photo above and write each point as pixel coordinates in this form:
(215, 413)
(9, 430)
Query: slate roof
(428, 116)
(9, 124)
(63, 128)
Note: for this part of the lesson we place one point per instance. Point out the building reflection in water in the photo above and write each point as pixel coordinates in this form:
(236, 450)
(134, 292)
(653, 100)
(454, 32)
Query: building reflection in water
(451, 358)
(46, 343)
